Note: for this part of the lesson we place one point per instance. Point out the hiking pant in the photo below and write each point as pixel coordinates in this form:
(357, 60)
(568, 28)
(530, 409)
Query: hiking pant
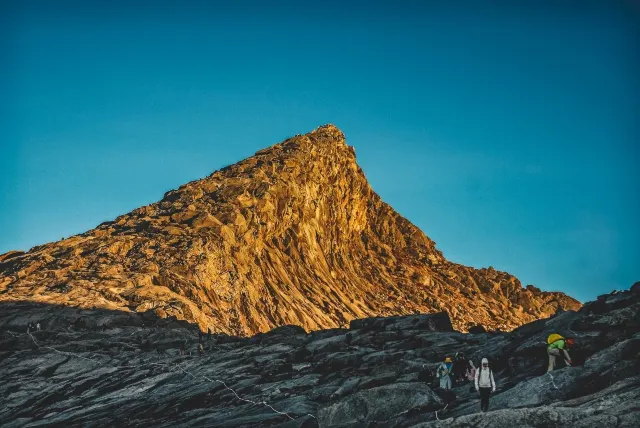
(445, 382)
(485, 393)
(553, 354)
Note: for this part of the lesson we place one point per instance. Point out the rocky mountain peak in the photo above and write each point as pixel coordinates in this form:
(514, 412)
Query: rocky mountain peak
(291, 235)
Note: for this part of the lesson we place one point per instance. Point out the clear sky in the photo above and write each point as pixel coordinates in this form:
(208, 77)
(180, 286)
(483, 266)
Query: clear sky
(507, 131)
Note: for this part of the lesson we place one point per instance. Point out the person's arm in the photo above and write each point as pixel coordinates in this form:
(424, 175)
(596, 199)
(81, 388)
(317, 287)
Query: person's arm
(566, 356)
(493, 382)
(476, 379)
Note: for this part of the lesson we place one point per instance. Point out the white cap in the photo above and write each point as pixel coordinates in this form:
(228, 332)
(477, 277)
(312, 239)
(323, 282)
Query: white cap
(484, 360)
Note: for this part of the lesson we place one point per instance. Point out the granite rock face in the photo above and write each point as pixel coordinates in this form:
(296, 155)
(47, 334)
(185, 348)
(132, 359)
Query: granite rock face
(291, 235)
(114, 368)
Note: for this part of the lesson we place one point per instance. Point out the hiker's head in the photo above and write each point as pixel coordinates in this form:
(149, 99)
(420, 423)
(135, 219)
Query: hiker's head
(485, 362)
(569, 342)
(447, 360)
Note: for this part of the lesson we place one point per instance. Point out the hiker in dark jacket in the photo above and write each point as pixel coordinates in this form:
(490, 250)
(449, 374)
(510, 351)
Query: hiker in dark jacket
(459, 367)
(485, 384)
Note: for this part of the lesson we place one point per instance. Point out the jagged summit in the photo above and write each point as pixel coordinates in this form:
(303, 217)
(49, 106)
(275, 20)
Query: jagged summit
(291, 235)
(330, 128)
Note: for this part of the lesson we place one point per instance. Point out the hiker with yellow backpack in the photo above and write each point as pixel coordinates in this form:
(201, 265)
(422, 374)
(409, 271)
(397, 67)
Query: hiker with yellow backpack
(558, 346)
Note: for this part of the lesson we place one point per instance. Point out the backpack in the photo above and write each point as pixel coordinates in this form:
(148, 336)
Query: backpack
(554, 338)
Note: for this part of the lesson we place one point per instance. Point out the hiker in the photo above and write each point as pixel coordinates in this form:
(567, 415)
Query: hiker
(444, 372)
(182, 348)
(200, 336)
(557, 346)
(200, 349)
(459, 367)
(470, 374)
(208, 333)
(38, 327)
(485, 384)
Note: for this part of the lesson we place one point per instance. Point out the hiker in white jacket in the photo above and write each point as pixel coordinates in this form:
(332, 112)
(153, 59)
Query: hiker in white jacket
(485, 384)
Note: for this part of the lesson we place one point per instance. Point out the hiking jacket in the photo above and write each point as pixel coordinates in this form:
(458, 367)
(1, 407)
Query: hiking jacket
(558, 344)
(444, 369)
(484, 379)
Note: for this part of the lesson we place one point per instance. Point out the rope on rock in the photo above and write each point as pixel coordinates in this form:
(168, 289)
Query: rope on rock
(553, 381)
(263, 403)
(60, 352)
(441, 410)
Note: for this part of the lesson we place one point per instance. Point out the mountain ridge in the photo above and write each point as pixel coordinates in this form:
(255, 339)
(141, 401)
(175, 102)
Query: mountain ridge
(291, 235)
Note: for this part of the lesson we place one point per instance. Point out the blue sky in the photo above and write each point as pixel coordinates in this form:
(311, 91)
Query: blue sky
(507, 131)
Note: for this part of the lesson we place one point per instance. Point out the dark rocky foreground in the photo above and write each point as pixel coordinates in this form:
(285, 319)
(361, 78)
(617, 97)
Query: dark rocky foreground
(104, 368)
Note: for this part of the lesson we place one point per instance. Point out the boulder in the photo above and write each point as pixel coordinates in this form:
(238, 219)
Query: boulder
(378, 404)
(429, 322)
(477, 329)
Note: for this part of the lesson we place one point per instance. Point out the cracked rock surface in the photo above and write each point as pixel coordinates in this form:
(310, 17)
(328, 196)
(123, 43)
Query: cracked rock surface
(113, 368)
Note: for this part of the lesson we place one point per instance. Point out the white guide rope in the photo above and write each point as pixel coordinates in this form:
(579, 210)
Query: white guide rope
(246, 400)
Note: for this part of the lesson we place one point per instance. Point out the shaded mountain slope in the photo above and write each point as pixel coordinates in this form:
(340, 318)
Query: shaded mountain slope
(103, 368)
(291, 235)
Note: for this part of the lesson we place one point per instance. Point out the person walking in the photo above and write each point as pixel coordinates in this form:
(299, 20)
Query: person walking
(38, 327)
(485, 384)
(470, 374)
(558, 346)
(444, 372)
(459, 367)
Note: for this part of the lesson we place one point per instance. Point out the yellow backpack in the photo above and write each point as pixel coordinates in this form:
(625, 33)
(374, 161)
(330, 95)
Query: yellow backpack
(554, 338)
